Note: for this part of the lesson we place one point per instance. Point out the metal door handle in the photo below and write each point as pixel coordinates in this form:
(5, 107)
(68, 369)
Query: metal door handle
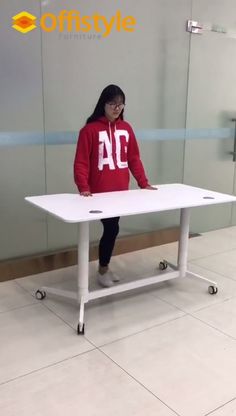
(234, 151)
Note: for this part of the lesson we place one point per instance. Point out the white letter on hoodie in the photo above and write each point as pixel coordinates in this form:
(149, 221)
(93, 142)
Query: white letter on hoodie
(104, 141)
(118, 134)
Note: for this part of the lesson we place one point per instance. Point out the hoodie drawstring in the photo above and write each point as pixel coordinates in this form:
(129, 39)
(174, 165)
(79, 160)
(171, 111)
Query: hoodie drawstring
(110, 132)
(110, 135)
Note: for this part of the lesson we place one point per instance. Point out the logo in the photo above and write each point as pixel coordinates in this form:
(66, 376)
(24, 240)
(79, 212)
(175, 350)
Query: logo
(121, 148)
(72, 20)
(24, 22)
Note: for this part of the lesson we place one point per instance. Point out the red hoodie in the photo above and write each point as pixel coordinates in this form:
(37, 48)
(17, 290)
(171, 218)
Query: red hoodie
(105, 153)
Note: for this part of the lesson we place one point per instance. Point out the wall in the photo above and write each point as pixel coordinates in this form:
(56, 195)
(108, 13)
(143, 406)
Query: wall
(50, 83)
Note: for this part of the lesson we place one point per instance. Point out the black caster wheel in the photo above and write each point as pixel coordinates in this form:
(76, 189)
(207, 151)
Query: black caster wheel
(163, 265)
(40, 294)
(80, 331)
(212, 290)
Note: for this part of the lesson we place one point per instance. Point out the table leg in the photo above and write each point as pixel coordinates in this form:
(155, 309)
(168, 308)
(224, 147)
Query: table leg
(183, 241)
(83, 271)
(183, 251)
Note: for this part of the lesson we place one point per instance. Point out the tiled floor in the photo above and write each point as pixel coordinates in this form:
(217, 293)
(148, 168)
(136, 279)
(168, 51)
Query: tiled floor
(165, 350)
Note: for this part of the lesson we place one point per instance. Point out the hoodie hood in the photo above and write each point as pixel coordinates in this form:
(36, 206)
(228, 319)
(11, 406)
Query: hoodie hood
(104, 120)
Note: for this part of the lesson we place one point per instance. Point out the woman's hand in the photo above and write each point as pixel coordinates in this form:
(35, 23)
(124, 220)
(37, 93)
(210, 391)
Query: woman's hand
(152, 188)
(86, 193)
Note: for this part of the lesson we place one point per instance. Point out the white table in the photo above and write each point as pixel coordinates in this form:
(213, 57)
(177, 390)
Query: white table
(74, 208)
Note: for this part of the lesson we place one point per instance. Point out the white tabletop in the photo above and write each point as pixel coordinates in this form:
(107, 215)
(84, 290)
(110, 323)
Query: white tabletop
(75, 208)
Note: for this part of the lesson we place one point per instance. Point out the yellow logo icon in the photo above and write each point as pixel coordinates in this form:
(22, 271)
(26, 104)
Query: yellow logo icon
(24, 22)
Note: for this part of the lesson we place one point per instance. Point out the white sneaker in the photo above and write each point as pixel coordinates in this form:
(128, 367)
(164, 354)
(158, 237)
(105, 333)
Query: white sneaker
(114, 277)
(107, 279)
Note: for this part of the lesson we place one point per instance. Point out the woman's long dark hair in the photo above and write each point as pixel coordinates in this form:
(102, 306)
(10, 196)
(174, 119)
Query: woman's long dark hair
(107, 95)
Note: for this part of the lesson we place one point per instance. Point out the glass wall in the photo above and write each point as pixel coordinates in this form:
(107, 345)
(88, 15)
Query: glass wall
(211, 107)
(22, 148)
(178, 103)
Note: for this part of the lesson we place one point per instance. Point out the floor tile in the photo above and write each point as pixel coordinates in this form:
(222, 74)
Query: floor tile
(185, 363)
(88, 385)
(125, 314)
(53, 277)
(221, 316)
(212, 242)
(33, 337)
(228, 410)
(191, 294)
(12, 296)
(116, 317)
(129, 266)
(206, 244)
(222, 263)
(229, 231)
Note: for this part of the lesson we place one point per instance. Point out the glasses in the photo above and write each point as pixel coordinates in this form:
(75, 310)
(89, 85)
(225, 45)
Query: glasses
(114, 106)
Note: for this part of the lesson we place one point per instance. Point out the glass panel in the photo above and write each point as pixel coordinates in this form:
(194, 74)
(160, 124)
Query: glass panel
(211, 105)
(22, 170)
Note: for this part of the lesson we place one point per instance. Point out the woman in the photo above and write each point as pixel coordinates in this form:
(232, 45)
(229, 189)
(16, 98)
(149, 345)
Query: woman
(106, 150)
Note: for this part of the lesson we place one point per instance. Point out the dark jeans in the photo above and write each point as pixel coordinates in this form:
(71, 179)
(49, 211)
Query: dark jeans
(107, 242)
